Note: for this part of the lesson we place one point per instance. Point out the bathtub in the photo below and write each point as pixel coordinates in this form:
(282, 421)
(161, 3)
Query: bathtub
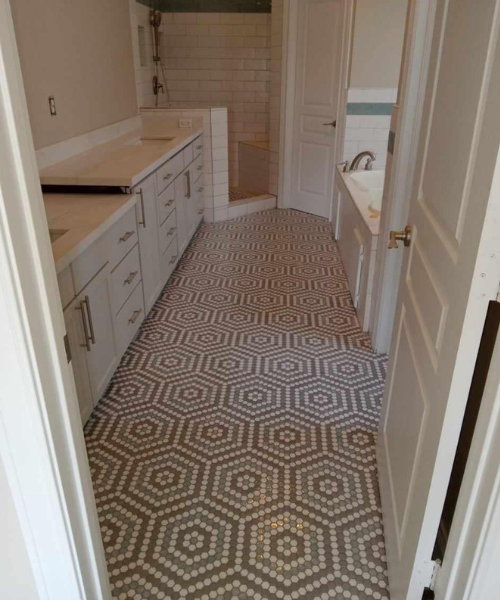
(359, 201)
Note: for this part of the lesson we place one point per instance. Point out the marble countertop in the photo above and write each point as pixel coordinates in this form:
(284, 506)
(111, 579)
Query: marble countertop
(124, 161)
(78, 220)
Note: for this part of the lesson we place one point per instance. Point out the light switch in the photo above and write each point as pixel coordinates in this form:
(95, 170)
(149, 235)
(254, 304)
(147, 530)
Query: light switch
(185, 123)
(52, 106)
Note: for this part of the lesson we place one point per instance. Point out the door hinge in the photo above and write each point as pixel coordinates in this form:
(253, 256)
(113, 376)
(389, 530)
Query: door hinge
(67, 348)
(497, 299)
(429, 591)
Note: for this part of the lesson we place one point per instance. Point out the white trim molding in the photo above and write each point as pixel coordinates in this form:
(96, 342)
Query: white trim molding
(41, 439)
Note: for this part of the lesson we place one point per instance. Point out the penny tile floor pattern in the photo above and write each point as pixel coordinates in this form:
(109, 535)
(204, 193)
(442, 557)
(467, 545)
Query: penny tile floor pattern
(233, 454)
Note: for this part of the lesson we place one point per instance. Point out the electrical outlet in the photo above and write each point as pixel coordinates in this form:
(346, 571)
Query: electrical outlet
(52, 106)
(185, 123)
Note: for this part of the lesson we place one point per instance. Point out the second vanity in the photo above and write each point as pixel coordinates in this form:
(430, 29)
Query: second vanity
(114, 252)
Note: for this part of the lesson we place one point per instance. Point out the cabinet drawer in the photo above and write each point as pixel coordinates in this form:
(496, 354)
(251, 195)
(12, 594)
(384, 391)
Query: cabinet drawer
(168, 231)
(66, 287)
(198, 146)
(166, 203)
(197, 168)
(169, 171)
(188, 155)
(129, 319)
(124, 279)
(122, 237)
(168, 261)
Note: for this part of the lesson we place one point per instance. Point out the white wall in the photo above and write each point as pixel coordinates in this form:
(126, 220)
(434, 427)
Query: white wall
(378, 41)
(80, 52)
(16, 577)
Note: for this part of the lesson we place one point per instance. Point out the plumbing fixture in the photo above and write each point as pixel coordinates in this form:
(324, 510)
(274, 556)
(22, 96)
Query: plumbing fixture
(358, 158)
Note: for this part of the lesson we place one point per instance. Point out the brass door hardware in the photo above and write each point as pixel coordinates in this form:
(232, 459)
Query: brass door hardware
(400, 236)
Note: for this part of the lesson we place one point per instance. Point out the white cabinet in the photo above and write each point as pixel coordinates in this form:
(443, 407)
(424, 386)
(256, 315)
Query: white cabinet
(147, 219)
(77, 340)
(181, 194)
(95, 304)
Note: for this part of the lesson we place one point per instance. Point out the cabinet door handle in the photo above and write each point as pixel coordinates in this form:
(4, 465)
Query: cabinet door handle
(173, 259)
(172, 231)
(143, 222)
(170, 202)
(85, 327)
(188, 182)
(167, 176)
(201, 211)
(135, 316)
(199, 147)
(200, 167)
(200, 189)
(86, 301)
(131, 278)
(127, 236)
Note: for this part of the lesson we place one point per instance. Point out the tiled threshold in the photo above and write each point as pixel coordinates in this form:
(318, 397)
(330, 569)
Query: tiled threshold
(248, 206)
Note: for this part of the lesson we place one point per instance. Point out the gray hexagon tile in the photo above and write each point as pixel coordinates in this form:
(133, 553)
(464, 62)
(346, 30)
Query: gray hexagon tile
(233, 454)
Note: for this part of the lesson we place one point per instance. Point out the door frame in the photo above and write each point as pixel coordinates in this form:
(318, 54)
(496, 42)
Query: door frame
(288, 89)
(41, 440)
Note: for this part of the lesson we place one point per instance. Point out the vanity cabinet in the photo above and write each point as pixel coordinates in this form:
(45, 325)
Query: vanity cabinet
(147, 221)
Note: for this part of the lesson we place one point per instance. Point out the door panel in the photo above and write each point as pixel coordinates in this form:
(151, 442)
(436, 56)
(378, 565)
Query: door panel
(449, 274)
(319, 47)
(147, 218)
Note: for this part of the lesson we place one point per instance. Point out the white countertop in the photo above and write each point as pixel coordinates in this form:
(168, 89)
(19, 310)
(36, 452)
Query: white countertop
(124, 161)
(85, 217)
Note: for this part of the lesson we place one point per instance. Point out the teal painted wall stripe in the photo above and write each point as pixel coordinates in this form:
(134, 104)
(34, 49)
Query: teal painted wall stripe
(370, 108)
(204, 6)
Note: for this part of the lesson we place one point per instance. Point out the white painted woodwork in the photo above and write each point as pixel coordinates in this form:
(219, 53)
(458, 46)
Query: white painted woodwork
(181, 211)
(125, 278)
(102, 357)
(166, 203)
(168, 231)
(76, 338)
(450, 273)
(318, 68)
(147, 219)
(129, 319)
(169, 260)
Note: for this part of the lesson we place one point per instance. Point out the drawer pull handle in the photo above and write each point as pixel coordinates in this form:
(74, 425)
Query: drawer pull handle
(167, 177)
(127, 236)
(200, 167)
(170, 202)
(200, 189)
(86, 344)
(201, 211)
(143, 222)
(173, 259)
(172, 231)
(188, 182)
(135, 316)
(131, 278)
(199, 147)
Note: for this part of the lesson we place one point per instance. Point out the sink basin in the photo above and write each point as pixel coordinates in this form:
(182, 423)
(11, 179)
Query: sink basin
(151, 141)
(55, 234)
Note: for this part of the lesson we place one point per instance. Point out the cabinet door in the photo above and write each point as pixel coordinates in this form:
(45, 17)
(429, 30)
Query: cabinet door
(94, 302)
(147, 218)
(181, 199)
(77, 344)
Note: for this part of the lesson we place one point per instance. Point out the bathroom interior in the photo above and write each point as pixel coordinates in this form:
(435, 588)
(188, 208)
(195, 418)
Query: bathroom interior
(190, 62)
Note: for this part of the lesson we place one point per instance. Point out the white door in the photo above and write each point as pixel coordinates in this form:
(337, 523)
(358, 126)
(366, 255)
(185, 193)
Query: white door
(450, 272)
(147, 218)
(319, 51)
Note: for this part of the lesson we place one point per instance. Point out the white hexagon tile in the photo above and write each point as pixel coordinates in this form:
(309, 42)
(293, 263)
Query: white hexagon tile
(233, 454)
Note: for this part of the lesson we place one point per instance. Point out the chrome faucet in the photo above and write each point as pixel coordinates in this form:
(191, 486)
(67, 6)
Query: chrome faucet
(359, 157)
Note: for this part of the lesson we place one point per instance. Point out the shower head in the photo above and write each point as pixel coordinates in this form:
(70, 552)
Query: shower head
(155, 18)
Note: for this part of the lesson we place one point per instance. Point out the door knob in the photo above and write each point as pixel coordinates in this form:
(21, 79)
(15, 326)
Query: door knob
(332, 124)
(401, 236)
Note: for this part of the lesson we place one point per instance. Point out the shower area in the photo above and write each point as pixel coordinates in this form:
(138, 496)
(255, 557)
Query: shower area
(194, 56)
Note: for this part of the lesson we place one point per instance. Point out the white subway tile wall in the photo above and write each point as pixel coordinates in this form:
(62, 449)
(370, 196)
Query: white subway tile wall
(369, 132)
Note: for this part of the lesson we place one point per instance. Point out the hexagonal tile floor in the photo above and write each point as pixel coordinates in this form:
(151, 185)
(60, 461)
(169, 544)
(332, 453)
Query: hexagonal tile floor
(233, 454)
